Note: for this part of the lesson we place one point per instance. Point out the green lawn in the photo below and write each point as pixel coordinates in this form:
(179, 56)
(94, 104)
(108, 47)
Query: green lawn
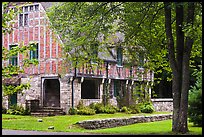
(66, 124)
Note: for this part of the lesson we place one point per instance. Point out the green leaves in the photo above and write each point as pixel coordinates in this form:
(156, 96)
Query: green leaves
(142, 23)
(8, 70)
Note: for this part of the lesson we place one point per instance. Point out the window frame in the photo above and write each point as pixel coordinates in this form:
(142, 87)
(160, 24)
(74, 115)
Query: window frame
(120, 56)
(34, 53)
(13, 58)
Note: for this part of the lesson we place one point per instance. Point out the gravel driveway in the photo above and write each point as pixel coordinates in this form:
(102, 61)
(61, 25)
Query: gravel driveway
(23, 132)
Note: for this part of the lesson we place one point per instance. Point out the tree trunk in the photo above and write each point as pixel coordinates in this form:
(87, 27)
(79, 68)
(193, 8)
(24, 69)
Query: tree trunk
(183, 122)
(179, 65)
(175, 70)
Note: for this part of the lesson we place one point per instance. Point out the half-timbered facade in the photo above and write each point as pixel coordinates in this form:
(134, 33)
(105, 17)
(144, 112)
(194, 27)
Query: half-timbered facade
(47, 84)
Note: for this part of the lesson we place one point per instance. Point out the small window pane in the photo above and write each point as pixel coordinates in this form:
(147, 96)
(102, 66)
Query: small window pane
(21, 20)
(26, 9)
(119, 56)
(31, 8)
(36, 7)
(26, 20)
(34, 53)
(13, 59)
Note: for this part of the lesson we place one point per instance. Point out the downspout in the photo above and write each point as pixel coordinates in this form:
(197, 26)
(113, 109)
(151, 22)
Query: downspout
(73, 86)
(106, 84)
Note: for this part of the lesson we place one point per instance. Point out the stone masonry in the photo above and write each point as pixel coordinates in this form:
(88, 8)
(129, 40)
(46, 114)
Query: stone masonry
(114, 122)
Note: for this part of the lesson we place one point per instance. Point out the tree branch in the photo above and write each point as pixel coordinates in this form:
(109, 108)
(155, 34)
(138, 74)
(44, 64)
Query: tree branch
(169, 36)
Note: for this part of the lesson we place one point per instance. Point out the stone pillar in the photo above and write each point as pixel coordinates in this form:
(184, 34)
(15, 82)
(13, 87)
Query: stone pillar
(65, 94)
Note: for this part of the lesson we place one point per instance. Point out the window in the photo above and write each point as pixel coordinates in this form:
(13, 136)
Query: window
(116, 88)
(131, 71)
(34, 53)
(90, 89)
(141, 59)
(21, 20)
(26, 9)
(31, 8)
(25, 19)
(36, 7)
(13, 59)
(119, 56)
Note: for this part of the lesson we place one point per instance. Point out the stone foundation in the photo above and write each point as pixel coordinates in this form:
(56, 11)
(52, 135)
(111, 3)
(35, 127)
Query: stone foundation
(115, 122)
(165, 104)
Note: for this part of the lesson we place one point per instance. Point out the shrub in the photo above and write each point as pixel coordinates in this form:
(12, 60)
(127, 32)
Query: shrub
(72, 111)
(80, 105)
(10, 111)
(18, 110)
(4, 110)
(195, 101)
(110, 109)
(134, 109)
(86, 111)
(147, 108)
(124, 109)
(98, 107)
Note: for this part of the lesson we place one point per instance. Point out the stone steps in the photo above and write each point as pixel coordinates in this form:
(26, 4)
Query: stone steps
(48, 111)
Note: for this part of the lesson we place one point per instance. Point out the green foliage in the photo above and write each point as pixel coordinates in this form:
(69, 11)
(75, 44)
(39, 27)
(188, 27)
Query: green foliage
(4, 110)
(18, 110)
(100, 108)
(195, 100)
(72, 111)
(134, 109)
(124, 109)
(8, 71)
(147, 107)
(80, 105)
(86, 111)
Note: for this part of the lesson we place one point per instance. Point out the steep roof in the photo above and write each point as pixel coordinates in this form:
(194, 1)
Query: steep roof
(108, 54)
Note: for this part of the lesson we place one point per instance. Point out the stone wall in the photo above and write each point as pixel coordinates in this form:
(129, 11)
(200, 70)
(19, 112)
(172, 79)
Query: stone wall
(114, 122)
(163, 104)
(32, 93)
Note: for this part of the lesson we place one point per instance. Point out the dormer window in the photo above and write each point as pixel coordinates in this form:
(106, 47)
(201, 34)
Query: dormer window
(119, 56)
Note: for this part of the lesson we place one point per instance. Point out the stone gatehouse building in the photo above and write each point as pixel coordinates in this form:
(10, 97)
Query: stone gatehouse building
(65, 91)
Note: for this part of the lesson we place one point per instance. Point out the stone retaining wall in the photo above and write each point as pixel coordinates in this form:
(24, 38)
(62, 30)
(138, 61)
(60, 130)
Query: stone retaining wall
(163, 104)
(114, 122)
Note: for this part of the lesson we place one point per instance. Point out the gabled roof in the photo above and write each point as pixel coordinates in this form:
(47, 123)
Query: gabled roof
(108, 54)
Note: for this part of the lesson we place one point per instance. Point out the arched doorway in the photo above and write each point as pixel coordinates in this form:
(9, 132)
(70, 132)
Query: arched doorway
(51, 96)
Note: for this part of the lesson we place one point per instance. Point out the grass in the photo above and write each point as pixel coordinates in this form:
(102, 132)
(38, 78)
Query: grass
(66, 124)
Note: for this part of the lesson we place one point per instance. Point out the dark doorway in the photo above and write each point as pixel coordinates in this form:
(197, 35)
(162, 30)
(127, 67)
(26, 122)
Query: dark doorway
(13, 99)
(89, 89)
(51, 93)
